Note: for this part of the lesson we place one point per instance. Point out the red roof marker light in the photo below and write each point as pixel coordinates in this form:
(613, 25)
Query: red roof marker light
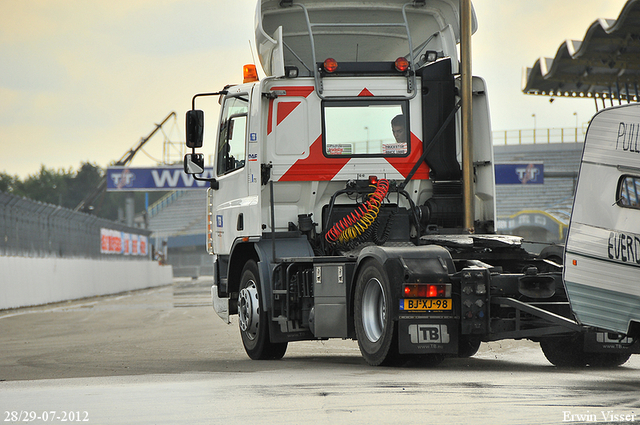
(402, 64)
(330, 65)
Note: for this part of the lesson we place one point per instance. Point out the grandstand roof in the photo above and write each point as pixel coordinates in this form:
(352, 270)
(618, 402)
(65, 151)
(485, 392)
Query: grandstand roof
(605, 64)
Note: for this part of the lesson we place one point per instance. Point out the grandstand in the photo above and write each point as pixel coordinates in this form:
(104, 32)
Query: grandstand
(178, 223)
(540, 212)
(180, 213)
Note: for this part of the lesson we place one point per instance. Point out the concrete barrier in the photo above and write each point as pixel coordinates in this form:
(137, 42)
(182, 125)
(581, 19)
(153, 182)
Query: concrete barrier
(35, 281)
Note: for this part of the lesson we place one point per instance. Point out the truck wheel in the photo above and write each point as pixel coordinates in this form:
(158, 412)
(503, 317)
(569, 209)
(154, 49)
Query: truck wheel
(553, 253)
(429, 360)
(606, 360)
(566, 351)
(375, 329)
(468, 346)
(253, 319)
(569, 352)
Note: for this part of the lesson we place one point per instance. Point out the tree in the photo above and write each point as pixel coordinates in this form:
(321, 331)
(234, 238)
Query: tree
(7, 182)
(48, 185)
(68, 188)
(82, 183)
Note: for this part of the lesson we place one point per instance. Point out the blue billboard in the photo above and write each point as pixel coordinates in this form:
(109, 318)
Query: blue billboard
(522, 173)
(157, 178)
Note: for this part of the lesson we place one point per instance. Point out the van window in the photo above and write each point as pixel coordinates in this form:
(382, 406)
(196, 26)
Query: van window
(629, 192)
(365, 128)
(232, 137)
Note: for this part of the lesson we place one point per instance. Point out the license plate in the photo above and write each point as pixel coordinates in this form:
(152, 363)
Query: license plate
(426, 304)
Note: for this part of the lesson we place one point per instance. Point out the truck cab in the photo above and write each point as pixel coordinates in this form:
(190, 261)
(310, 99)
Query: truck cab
(323, 116)
(345, 202)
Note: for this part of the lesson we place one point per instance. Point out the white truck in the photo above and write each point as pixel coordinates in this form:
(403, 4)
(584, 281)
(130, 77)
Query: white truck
(347, 200)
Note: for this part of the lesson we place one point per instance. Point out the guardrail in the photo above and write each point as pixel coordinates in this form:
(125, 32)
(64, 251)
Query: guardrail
(539, 136)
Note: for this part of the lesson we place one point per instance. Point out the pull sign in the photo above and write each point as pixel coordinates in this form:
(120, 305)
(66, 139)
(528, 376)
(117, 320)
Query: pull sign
(318, 274)
(340, 274)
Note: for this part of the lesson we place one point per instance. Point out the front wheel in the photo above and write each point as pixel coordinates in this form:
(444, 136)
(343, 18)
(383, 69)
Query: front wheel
(375, 329)
(253, 318)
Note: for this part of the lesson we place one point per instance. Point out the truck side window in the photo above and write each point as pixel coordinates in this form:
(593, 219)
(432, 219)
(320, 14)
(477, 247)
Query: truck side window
(629, 192)
(365, 128)
(232, 138)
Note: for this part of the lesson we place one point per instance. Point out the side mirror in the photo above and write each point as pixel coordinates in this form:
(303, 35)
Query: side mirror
(194, 128)
(194, 163)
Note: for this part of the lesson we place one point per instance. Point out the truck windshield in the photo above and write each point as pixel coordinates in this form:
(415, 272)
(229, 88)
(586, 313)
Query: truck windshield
(368, 128)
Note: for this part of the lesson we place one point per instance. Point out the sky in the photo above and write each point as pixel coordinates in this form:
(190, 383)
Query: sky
(84, 81)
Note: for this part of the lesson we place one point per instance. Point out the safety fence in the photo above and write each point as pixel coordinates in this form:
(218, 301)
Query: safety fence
(33, 229)
(539, 136)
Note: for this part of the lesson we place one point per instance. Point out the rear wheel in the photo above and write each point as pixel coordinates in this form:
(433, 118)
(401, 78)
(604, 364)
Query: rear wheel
(569, 352)
(468, 346)
(375, 329)
(428, 360)
(564, 352)
(606, 360)
(253, 318)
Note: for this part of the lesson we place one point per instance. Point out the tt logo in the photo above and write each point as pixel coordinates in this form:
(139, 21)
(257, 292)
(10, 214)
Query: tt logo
(124, 179)
(528, 174)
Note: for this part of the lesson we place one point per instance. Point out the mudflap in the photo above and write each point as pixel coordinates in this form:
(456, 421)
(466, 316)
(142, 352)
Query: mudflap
(426, 336)
(609, 342)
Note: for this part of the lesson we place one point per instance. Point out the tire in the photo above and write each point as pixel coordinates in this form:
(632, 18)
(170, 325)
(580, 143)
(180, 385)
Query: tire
(565, 352)
(468, 346)
(253, 318)
(375, 328)
(553, 253)
(569, 352)
(429, 360)
(606, 360)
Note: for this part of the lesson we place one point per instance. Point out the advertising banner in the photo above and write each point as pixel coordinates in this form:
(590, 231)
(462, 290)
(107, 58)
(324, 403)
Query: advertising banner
(117, 242)
(157, 178)
(519, 173)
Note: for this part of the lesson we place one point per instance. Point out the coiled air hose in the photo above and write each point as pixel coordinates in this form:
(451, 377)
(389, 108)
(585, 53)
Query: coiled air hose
(365, 214)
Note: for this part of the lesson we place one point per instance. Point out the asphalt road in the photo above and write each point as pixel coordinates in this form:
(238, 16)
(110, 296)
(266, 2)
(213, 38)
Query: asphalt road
(161, 356)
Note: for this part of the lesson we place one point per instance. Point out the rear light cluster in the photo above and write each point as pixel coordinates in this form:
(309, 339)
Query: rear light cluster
(421, 290)
(330, 65)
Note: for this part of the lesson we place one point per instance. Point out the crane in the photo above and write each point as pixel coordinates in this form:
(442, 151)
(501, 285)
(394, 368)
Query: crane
(123, 161)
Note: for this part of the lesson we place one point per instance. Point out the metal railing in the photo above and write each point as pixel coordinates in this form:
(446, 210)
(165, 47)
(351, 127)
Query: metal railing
(33, 229)
(539, 136)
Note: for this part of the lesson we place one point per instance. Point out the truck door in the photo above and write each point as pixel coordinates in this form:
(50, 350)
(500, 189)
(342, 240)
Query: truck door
(230, 200)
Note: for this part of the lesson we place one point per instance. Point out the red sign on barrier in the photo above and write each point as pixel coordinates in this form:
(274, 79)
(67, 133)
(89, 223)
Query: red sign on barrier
(116, 242)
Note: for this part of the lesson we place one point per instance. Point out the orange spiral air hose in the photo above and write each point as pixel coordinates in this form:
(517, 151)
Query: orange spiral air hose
(354, 224)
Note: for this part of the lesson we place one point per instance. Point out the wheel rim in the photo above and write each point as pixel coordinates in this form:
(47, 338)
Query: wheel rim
(374, 308)
(249, 310)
